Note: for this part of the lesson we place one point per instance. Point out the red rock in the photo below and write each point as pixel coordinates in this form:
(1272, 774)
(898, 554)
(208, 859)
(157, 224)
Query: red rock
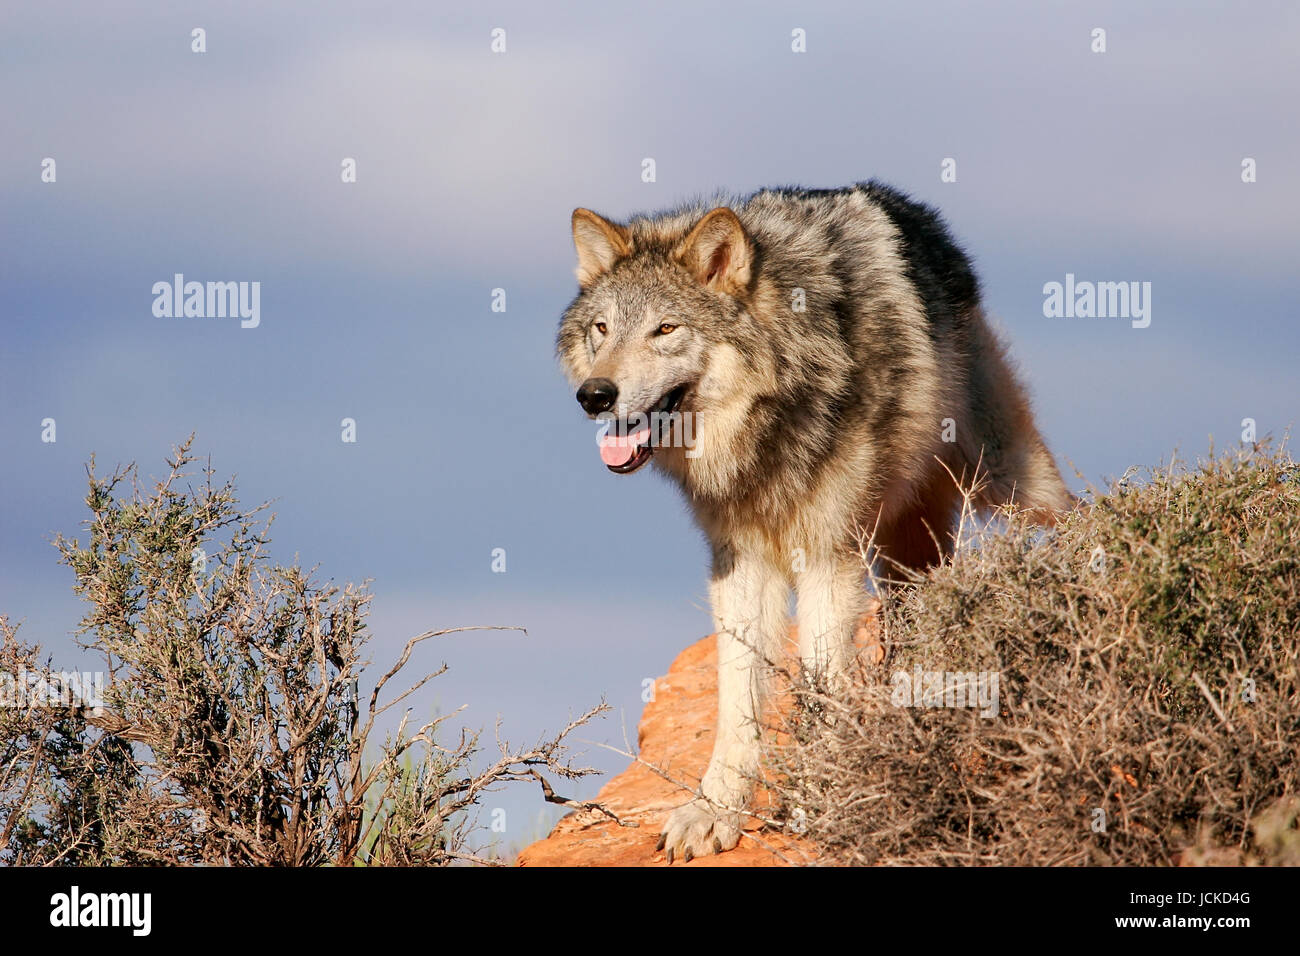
(675, 735)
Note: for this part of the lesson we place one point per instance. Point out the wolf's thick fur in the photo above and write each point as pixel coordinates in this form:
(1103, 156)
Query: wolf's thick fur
(820, 339)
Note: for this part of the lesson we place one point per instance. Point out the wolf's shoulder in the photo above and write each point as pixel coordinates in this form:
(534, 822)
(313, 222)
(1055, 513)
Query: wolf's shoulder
(896, 203)
(933, 259)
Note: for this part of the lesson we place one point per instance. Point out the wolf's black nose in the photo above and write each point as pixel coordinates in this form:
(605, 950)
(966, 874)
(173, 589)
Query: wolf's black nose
(597, 395)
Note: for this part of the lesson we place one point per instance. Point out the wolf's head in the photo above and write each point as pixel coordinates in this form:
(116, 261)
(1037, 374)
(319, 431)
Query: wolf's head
(650, 340)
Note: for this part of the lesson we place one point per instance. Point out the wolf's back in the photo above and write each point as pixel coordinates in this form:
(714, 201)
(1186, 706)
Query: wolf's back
(798, 224)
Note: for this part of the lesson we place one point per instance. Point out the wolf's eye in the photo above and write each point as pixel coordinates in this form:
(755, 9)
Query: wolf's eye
(666, 328)
(600, 327)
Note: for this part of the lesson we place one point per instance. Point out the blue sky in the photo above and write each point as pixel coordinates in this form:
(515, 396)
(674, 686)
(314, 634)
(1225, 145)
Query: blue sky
(1121, 166)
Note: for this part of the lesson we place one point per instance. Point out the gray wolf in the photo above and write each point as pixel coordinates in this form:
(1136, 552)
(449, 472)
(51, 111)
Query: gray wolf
(831, 352)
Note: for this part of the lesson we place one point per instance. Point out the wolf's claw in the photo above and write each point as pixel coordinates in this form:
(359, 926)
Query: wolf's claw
(697, 829)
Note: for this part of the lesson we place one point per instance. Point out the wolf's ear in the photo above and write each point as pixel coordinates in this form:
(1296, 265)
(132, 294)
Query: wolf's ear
(718, 252)
(600, 244)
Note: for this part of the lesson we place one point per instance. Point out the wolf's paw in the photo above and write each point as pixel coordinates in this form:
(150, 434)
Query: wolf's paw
(697, 829)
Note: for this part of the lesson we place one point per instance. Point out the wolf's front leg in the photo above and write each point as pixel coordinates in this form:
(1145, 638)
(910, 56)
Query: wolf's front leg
(749, 603)
(830, 600)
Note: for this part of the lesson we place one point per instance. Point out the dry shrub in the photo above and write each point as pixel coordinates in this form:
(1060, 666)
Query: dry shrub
(1147, 656)
(234, 730)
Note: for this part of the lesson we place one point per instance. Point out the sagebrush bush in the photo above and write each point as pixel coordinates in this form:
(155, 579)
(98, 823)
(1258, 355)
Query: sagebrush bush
(233, 729)
(1149, 690)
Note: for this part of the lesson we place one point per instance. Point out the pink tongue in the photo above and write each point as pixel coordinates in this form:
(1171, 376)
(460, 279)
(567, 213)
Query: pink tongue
(618, 450)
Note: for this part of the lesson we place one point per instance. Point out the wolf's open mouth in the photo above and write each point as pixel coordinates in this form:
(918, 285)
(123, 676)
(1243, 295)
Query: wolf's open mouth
(623, 452)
